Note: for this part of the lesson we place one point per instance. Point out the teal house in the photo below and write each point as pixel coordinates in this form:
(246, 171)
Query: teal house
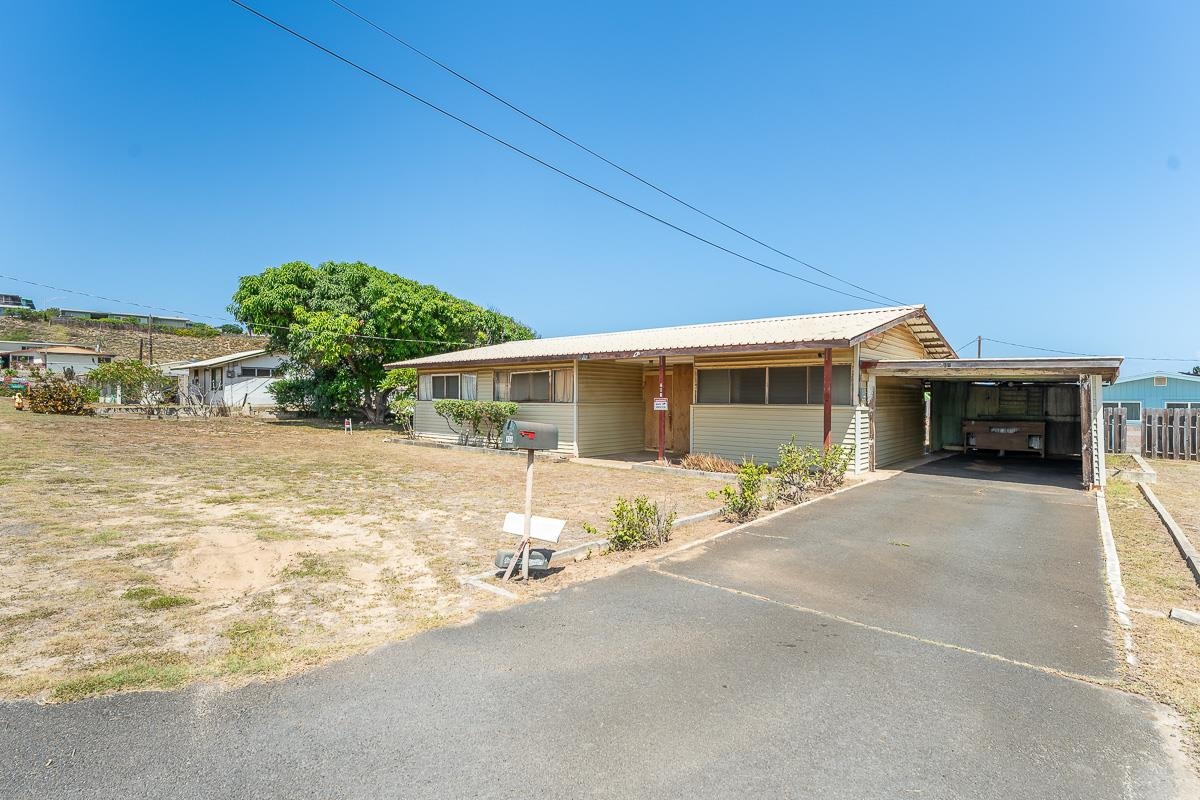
(1154, 391)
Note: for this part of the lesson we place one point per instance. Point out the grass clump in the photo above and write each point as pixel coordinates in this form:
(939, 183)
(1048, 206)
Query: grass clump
(706, 462)
(155, 670)
(314, 565)
(276, 535)
(255, 645)
(152, 598)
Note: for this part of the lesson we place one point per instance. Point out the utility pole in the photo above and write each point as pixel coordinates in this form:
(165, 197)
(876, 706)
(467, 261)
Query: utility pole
(150, 328)
(979, 347)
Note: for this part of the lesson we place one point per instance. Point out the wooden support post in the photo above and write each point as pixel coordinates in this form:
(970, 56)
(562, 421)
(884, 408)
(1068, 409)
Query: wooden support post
(662, 415)
(828, 398)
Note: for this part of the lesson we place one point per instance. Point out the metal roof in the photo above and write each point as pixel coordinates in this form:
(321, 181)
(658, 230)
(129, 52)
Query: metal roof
(1001, 369)
(833, 329)
(59, 349)
(219, 360)
(1183, 376)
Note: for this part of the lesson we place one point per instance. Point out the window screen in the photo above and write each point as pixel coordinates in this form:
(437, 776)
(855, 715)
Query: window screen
(712, 386)
(529, 387)
(789, 385)
(748, 385)
(445, 387)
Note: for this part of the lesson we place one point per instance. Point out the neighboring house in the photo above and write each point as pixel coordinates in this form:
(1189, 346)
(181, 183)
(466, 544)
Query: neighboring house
(139, 319)
(57, 359)
(1158, 390)
(10, 303)
(239, 381)
(739, 389)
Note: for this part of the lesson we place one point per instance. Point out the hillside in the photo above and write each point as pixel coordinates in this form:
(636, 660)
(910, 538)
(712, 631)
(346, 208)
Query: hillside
(126, 342)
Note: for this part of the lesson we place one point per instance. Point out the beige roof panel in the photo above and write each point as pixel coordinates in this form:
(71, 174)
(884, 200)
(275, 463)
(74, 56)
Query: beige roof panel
(833, 329)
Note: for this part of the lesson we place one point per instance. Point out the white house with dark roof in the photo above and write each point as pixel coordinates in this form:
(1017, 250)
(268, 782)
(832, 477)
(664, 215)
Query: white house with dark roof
(239, 381)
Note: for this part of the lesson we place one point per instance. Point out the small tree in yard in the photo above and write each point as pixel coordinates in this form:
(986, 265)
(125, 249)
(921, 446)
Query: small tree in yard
(477, 421)
(134, 383)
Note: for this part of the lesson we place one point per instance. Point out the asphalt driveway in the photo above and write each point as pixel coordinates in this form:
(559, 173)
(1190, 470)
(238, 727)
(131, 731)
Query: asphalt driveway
(905, 639)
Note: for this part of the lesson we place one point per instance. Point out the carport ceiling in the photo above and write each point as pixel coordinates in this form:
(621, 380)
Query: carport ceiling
(1056, 370)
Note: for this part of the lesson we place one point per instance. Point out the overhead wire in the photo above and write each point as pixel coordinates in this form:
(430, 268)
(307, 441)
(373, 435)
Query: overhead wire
(516, 149)
(1085, 355)
(571, 140)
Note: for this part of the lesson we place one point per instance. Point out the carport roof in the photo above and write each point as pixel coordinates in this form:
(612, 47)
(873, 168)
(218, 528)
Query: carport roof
(1001, 369)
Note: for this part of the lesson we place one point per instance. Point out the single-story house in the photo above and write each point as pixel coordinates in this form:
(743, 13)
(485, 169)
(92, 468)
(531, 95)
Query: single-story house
(1157, 390)
(883, 382)
(57, 358)
(133, 318)
(239, 381)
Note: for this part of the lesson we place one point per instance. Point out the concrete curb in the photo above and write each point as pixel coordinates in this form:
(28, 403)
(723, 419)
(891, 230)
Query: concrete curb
(1190, 556)
(724, 477)
(1143, 474)
(1112, 569)
(599, 544)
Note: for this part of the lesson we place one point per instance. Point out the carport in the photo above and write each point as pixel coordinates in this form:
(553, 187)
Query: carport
(1039, 407)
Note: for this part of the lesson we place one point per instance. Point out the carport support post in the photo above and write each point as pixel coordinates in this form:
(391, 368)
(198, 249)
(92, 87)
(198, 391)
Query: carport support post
(828, 398)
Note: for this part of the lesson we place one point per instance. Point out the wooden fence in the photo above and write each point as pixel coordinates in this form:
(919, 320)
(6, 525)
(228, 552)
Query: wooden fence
(1116, 429)
(1171, 433)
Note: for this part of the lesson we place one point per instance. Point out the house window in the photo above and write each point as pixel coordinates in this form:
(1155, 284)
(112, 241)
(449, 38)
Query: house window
(776, 386)
(540, 386)
(258, 372)
(1182, 406)
(446, 387)
(1133, 409)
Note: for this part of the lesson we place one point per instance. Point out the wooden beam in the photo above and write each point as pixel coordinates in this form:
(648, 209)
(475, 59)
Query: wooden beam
(827, 397)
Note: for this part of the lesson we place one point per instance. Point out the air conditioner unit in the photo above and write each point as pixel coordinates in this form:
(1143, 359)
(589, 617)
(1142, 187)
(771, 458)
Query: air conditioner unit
(230, 372)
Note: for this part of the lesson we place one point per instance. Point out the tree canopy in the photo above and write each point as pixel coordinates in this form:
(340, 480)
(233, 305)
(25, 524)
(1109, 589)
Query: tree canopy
(340, 322)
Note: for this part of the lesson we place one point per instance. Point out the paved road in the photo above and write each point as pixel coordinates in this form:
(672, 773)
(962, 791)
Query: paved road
(905, 639)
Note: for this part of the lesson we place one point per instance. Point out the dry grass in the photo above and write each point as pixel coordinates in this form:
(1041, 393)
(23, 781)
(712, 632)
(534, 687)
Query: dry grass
(1157, 580)
(707, 463)
(147, 553)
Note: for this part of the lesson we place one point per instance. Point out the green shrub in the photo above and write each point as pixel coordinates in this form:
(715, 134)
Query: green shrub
(637, 524)
(477, 421)
(231, 329)
(831, 466)
(58, 396)
(753, 493)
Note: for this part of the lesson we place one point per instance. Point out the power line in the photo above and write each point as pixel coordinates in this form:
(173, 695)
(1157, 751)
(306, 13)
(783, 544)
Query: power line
(1086, 355)
(215, 318)
(610, 162)
(429, 104)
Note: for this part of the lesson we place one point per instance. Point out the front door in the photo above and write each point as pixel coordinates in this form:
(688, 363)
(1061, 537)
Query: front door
(678, 391)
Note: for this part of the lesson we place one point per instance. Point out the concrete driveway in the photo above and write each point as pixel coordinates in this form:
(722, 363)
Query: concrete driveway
(905, 639)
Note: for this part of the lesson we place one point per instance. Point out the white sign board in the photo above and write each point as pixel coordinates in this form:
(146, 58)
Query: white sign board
(544, 529)
(660, 404)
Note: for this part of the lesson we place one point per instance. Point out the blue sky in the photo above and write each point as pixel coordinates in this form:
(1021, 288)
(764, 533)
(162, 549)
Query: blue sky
(1027, 170)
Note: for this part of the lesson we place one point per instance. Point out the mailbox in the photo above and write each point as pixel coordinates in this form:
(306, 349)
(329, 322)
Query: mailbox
(518, 435)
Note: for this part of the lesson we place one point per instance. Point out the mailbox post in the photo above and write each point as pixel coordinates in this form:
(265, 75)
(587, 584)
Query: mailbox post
(530, 437)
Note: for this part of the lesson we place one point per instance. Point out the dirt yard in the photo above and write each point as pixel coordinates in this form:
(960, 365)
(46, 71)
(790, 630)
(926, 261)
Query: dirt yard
(147, 553)
(1157, 580)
